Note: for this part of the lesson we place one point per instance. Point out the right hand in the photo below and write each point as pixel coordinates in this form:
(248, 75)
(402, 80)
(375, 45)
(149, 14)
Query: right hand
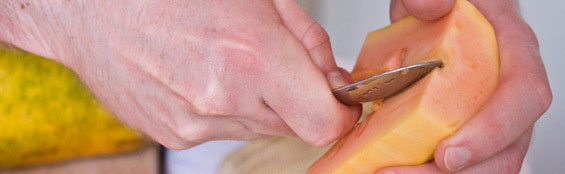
(497, 138)
(186, 72)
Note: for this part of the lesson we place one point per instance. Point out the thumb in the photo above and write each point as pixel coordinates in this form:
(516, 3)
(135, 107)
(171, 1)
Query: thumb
(421, 9)
(300, 94)
(313, 37)
(326, 118)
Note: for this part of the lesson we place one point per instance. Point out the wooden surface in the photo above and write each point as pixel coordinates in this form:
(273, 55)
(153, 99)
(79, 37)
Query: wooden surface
(144, 161)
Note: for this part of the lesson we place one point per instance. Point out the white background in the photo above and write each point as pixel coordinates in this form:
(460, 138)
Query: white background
(348, 21)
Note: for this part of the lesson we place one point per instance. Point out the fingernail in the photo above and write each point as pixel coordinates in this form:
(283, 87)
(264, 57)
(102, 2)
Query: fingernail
(456, 157)
(346, 75)
(336, 79)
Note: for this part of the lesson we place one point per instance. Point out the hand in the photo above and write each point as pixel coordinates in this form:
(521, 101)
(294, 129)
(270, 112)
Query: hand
(186, 72)
(497, 138)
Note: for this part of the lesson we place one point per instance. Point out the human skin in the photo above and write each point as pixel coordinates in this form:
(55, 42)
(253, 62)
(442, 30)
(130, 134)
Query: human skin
(187, 72)
(497, 138)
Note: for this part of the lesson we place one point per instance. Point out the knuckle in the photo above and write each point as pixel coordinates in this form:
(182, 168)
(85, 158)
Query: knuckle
(216, 105)
(232, 67)
(214, 98)
(315, 36)
(173, 142)
(532, 38)
(530, 42)
(545, 96)
(175, 145)
(542, 96)
(180, 138)
(194, 133)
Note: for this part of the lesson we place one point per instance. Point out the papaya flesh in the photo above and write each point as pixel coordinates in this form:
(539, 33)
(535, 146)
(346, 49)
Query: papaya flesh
(48, 115)
(406, 128)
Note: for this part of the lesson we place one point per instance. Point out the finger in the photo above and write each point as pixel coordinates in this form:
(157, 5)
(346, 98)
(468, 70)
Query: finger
(313, 37)
(421, 9)
(345, 74)
(144, 104)
(397, 10)
(507, 161)
(299, 92)
(522, 96)
(317, 117)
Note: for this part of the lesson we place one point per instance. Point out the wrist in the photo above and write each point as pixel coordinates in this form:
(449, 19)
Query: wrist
(33, 26)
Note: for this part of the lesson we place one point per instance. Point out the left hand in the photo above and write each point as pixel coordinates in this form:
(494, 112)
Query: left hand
(187, 72)
(497, 138)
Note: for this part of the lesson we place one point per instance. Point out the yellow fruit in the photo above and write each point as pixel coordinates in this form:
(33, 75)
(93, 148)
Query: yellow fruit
(48, 115)
(406, 128)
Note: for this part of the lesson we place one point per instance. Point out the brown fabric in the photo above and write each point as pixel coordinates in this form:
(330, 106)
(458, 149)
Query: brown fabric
(279, 155)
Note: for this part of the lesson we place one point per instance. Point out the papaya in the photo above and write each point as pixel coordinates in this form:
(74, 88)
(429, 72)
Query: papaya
(406, 128)
(48, 115)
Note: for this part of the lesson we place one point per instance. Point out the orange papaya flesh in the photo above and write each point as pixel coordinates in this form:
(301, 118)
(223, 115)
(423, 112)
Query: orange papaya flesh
(406, 128)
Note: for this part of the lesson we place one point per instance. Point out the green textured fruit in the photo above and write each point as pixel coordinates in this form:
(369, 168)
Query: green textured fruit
(48, 115)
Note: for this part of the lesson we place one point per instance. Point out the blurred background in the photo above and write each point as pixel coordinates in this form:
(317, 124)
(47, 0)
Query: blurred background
(348, 22)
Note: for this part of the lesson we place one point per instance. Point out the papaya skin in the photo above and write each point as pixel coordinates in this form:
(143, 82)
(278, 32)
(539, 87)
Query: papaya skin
(47, 115)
